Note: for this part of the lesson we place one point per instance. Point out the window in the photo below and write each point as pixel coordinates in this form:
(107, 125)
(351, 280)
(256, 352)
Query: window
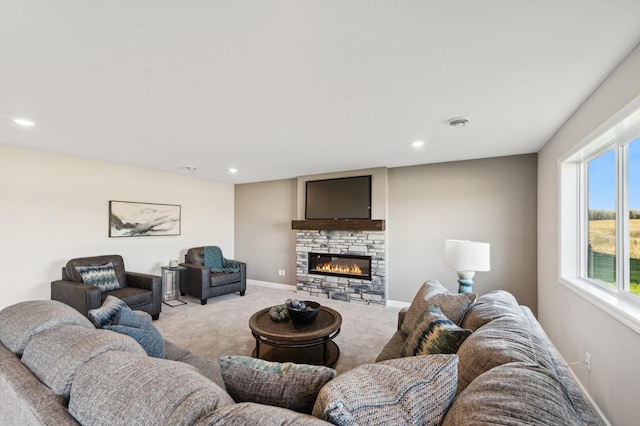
(634, 216)
(616, 171)
(600, 216)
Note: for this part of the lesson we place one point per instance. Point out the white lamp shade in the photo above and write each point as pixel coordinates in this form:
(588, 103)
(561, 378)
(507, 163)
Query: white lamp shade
(464, 255)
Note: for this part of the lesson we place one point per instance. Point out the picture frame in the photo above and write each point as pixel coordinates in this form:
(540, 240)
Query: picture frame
(136, 219)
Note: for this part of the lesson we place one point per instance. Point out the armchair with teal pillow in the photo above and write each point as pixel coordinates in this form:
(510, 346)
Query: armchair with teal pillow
(208, 274)
(87, 281)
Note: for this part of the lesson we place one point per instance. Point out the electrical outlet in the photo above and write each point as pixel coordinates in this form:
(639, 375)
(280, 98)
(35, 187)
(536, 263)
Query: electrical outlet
(587, 360)
(281, 272)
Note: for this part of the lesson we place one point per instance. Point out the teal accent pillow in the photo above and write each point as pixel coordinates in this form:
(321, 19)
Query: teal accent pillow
(434, 334)
(140, 328)
(102, 276)
(106, 314)
(287, 385)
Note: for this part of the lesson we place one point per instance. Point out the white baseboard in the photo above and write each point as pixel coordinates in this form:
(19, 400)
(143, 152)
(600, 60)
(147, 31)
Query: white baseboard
(269, 284)
(397, 304)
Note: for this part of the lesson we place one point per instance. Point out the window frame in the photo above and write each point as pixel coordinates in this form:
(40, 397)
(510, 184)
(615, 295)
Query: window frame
(617, 132)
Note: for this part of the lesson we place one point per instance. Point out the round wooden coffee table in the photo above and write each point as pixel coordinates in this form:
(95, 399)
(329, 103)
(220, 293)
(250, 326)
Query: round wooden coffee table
(300, 343)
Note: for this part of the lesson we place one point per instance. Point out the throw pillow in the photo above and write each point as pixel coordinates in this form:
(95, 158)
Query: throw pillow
(287, 385)
(102, 276)
(434, 334)
(106, 314)
(415, 390)
(453, 305)
(140, 328)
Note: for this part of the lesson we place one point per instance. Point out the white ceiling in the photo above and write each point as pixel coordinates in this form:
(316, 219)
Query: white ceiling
(281, 89)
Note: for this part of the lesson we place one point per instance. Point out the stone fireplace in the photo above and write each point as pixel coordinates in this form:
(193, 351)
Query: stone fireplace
(334, 263)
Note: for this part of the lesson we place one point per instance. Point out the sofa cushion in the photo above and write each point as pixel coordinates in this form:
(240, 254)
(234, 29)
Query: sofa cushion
(249, 413)
(175, 352)
(393, 348)
(499, 396)
(413, 390)
(25, 400)
(453, 305)
(434, 334)
(490, 306)
(120, 388)
(133, 296)
(101, 276)
(222, 278)
(55, 356)
(20, 322)
(287, 385)
(501, 341)
(141, 329)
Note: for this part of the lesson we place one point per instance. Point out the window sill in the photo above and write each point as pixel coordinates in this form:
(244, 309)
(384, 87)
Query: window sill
(622, 310)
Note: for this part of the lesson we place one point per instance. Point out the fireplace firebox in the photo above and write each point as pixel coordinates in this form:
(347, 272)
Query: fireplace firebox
(340, 265)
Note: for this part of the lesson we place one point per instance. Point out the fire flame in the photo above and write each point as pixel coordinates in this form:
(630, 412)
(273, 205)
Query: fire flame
(339, 269)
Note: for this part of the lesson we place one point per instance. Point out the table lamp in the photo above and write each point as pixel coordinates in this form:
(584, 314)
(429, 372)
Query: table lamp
(466, 257)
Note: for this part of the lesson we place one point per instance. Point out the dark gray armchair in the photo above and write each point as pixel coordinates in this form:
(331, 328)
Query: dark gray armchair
(141, 292)
(200, 282)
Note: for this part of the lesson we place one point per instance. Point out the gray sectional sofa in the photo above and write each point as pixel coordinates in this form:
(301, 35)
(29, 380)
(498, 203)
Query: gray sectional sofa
(56, 368)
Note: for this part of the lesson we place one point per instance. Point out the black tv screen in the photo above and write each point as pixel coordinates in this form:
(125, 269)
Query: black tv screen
(342, 198)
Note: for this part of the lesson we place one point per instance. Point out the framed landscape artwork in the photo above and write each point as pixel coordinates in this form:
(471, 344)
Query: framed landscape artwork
(131, 219)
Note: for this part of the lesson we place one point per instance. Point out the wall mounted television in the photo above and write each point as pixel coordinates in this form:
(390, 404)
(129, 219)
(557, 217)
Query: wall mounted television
(341, 198)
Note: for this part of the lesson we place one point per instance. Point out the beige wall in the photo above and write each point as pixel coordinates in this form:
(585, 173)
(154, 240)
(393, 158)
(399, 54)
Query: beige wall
(573, 324)
(492, 200)
(263, 235)
(55, 208)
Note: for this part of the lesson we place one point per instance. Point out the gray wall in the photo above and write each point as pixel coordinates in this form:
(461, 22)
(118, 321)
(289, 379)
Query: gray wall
(574, 324)
(492, 200)
(263, 235)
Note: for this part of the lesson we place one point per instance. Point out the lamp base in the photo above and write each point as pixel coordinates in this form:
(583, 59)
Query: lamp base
(465, 285)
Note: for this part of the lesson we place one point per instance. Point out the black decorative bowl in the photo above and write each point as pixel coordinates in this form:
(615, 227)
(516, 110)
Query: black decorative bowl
(304, 316)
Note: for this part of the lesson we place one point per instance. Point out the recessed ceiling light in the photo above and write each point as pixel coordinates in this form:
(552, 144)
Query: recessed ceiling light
(233, 170)
(458, 122)
(191, 168)
(417, 144)
(24, 122)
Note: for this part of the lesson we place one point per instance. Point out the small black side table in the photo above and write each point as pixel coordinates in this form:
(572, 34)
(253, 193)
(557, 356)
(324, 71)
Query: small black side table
(171, 276)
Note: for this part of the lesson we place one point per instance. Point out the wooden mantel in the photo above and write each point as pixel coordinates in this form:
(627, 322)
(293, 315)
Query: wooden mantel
(339, 225)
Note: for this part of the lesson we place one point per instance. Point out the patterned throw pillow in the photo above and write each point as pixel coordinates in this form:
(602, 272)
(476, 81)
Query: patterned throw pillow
(408, 391)
(102, 276)
(106, 314)
(434, 334)
(287, 385)
(453, 305)
(140, 328)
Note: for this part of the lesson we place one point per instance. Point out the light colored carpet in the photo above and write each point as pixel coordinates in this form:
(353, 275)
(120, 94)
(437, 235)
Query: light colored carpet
(221, 327)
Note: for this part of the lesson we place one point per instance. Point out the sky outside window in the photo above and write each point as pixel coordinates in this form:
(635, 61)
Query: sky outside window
(602, 182)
